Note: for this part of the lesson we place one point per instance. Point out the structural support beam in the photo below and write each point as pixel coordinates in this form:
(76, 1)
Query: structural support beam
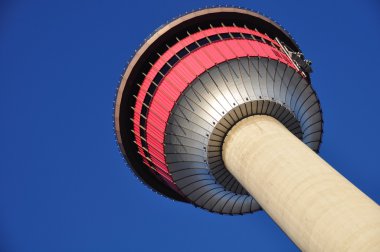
(314, 205)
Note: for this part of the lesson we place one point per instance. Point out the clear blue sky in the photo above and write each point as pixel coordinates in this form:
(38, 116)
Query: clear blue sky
(63, 183)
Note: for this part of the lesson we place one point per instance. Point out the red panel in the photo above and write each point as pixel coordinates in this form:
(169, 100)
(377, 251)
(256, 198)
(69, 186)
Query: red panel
(237, 49)
(204, 58)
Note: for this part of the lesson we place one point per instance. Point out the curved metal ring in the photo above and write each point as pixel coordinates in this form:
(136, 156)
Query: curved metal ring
(212, 104)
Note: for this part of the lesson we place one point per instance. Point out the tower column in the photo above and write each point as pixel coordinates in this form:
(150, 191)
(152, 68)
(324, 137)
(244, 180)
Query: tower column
(314, 205)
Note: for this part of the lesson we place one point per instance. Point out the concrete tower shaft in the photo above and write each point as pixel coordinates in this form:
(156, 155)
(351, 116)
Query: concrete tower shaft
(317, 207)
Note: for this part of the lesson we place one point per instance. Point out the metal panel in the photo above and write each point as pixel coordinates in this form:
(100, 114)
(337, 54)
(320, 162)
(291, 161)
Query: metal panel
(274, 82)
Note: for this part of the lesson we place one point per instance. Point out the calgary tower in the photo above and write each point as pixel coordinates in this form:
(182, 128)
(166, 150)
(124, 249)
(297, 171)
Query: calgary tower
(217, 109)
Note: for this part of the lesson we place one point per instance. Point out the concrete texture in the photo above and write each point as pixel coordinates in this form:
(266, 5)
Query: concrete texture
(314, 205)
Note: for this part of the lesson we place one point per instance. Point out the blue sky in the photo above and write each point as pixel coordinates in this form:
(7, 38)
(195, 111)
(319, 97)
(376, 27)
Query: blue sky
(63, 183)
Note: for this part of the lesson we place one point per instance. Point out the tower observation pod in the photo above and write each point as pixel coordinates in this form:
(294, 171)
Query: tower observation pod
(217, 109)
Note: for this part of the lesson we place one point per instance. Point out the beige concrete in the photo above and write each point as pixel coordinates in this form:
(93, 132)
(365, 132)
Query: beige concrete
(314, 205)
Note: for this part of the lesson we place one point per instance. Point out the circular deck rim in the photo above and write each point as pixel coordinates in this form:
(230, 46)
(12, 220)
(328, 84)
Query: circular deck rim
(125, 88)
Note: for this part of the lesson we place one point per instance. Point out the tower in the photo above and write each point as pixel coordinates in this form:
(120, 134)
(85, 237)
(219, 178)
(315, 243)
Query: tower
(217, 109)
